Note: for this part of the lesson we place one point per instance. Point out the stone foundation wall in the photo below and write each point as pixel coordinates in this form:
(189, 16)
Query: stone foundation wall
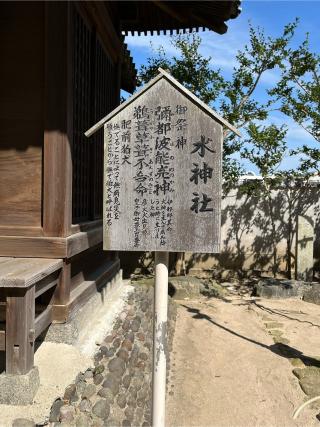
(116, 391)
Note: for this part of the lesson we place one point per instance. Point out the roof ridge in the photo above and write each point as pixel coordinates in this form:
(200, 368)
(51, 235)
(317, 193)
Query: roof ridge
(170, 78)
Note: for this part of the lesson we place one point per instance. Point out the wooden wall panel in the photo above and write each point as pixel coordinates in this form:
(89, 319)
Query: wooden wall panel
(21, 112)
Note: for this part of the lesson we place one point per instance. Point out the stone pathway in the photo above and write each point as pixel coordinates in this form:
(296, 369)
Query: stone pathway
(295, 329)
(116, 391)
(233, 362)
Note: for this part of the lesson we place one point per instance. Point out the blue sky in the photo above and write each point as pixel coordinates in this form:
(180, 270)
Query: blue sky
(270, 15)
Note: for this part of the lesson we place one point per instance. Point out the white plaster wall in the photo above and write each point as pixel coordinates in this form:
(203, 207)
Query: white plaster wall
(247, 232)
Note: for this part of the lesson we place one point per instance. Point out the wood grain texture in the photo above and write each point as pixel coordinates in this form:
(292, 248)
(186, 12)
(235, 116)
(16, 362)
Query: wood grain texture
(50, 247)
(163, 174)
(57, 179)
(120, 107)
(82, 293)
(38, 247)
(43, 321)
(25, 272)
(85, 226)
(62, 291)
(21, 231)
(20, 186)
(84, 240)
(2, 340)
(21, 113)
(47, 283)
(20, 332)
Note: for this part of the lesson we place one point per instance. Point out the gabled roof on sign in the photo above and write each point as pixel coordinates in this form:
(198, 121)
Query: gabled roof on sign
(175, 83)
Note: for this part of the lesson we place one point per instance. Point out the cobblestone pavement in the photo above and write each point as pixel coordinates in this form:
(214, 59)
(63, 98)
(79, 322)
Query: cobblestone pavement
(116, 391)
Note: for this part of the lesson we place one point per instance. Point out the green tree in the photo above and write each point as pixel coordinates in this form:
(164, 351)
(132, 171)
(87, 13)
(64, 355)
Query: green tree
(234, 99)
(299, 95)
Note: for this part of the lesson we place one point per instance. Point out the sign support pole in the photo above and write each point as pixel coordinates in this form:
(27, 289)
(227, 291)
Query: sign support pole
(160, 339)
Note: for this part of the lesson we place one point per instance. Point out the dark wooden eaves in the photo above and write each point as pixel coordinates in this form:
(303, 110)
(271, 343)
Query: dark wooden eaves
(158, 16)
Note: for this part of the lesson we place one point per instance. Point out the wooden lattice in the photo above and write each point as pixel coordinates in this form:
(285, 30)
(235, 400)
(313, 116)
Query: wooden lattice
(94, 95)
(104, 101)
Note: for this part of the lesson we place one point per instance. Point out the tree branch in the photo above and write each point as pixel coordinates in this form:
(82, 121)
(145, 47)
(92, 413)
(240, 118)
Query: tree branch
(250, 91)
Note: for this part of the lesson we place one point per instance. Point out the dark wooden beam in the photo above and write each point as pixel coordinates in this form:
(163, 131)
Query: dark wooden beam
(212, 24)
(169, 10)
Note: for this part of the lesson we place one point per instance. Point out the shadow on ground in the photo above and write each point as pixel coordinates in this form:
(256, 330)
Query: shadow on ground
(283, 313)
(280, 349)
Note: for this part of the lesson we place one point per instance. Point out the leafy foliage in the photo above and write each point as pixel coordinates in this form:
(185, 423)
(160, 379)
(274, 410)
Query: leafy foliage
(299, 89)
(234, 98)
(261, 55)
(268, 148)
(190, 68)
(299, 93)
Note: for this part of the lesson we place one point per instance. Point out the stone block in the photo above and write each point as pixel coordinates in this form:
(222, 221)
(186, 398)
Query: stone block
(309, 379)
(275, 288)
(312, 294)
(19, 389)
(200, 272)
(184, 287)
(23, 422)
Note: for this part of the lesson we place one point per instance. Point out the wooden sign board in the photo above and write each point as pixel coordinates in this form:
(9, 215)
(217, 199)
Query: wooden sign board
(162, 172)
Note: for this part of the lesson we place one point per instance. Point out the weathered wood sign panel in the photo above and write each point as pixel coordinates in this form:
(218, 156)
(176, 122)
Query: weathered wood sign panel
(162, 172)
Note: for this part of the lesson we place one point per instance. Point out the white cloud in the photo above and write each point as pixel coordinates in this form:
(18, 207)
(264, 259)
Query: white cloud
(223, 50)
(270, 77)
(149, 43)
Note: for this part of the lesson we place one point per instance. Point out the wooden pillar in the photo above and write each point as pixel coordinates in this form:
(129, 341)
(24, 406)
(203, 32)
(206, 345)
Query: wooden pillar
(57, 159)
(58, 128)
(62, 292)
(20, 334)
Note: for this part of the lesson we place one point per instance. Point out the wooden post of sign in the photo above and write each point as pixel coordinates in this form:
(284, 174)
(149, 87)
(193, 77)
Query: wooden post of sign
(160, 339)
